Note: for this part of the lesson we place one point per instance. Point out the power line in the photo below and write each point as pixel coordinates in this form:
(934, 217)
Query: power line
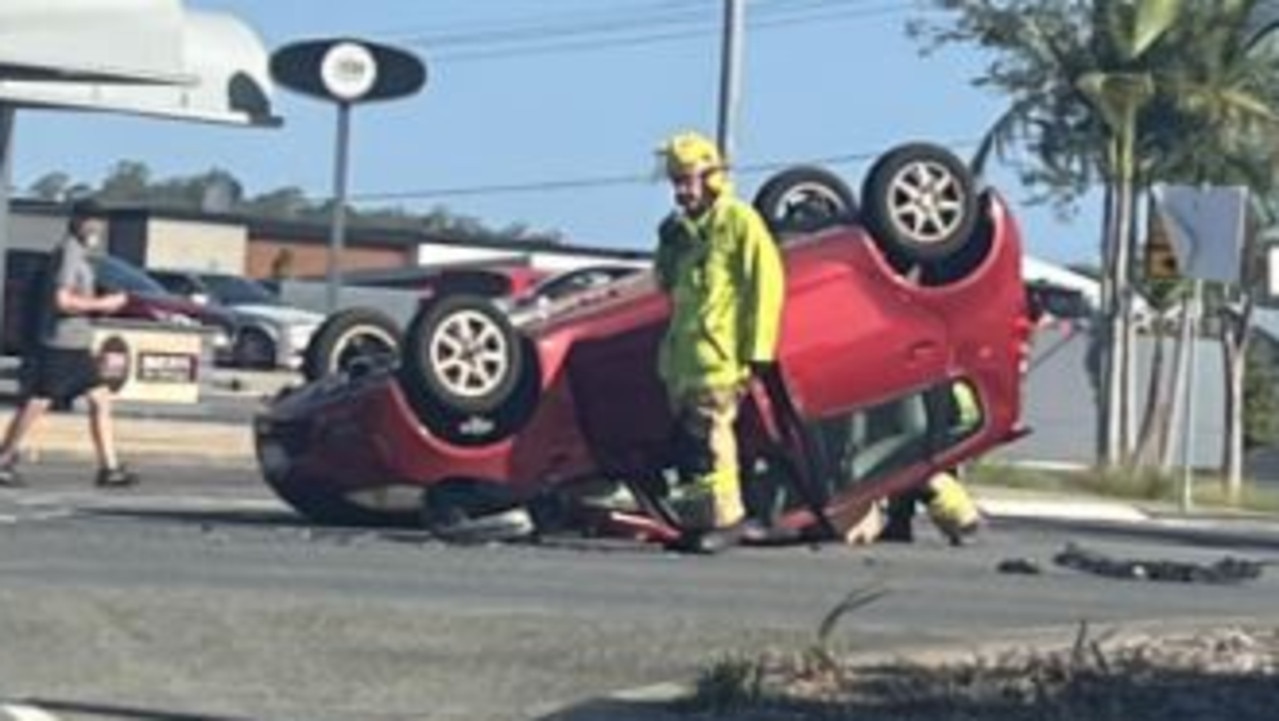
(605, 181)
(613, 19)
(658, 37)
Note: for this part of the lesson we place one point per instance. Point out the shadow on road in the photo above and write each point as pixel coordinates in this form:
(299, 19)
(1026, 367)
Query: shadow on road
(133, 713)
(230, 517)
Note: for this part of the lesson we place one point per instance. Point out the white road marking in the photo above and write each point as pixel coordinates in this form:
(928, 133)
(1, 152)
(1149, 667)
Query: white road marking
(26, 713)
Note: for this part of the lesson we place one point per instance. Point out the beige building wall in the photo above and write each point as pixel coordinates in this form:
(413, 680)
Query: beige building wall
(35, 232)
(194, 245)
(309, 260)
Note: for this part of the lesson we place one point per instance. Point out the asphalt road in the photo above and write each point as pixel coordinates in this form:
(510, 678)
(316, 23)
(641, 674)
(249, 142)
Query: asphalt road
(198, 596)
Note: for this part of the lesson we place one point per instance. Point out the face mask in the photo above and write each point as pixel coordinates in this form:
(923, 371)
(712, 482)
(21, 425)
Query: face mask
(92, 240)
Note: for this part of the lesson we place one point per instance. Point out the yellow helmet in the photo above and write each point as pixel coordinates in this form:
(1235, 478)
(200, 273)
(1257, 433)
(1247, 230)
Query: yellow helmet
(693, 153)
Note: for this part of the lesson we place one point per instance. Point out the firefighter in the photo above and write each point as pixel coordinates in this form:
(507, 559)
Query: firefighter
(947, 502)
(720, 268)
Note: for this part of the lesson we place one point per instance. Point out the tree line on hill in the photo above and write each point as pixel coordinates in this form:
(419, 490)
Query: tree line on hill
(219, 191)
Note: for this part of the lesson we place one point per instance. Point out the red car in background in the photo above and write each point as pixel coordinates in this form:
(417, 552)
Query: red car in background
(147, 299)
(363, 334)
(366, 335)
(888, 307)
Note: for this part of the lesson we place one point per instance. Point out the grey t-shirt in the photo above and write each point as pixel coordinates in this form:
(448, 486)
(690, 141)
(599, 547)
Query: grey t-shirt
(73, 272)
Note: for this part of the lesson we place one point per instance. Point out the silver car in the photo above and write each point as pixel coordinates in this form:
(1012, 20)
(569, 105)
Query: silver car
(271, 334)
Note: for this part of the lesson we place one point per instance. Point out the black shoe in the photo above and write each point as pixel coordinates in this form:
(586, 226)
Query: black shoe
(710, 542)
(118, 477)
(10, 478)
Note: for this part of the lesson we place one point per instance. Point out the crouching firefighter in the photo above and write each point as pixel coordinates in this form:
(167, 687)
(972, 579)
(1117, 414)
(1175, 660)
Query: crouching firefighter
(947, 503)
(720, 267)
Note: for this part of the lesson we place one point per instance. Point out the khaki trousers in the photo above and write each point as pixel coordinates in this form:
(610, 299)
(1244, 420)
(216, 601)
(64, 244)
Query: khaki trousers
(707, 416)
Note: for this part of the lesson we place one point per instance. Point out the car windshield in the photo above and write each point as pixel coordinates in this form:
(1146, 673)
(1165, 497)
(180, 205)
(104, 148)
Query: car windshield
(234, 290)
(119, 275)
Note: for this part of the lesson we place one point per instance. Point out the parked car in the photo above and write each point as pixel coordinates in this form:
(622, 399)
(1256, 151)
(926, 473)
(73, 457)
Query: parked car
(575, 285)
(148, 300)
(887, 308)
(271, 333)
(367, 335)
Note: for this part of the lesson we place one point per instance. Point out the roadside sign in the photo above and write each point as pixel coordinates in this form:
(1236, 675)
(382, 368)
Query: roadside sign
(1207, 227)
(1161, 257)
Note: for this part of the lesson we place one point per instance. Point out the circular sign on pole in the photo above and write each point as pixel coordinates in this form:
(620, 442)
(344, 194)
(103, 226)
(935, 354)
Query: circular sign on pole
(348, 71)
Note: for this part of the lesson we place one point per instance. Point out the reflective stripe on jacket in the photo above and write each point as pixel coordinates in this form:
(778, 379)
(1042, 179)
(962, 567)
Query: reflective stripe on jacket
(726, 282)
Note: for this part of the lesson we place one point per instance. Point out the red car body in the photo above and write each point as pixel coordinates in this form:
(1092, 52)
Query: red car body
(860, 337)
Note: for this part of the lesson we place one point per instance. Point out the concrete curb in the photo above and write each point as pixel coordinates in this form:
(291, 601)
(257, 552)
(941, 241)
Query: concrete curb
(1062, 508)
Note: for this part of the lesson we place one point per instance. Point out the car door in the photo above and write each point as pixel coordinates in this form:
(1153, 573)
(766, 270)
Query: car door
(854, 333)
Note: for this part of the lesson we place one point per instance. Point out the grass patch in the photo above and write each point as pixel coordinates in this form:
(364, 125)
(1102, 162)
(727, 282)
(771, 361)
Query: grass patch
(1228, 673)
(1145, 485)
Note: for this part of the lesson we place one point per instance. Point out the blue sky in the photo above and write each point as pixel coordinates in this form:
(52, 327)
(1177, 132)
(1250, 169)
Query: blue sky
(823, 79)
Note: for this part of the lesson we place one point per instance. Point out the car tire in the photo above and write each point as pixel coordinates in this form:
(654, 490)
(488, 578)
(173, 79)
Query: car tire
(349, 337)
(471, 379)
(920, 203)
(804, 199)
(254, 348)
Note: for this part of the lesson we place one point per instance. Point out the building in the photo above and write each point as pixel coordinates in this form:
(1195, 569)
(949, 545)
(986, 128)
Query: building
(263, 248)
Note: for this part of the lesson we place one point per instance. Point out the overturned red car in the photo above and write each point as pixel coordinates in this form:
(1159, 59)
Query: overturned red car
(889, 306)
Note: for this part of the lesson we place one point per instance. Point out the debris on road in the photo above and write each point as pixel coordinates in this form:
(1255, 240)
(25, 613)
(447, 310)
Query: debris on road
(1227, 570)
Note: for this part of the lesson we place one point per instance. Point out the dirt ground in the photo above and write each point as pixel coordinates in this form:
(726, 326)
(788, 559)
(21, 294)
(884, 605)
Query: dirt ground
(1228, 674)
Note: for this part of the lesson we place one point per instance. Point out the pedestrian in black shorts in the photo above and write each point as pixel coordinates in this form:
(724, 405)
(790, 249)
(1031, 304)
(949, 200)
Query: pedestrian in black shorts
(58, 363)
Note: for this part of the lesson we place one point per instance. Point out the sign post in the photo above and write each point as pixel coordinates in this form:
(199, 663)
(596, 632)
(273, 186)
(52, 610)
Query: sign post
(1206, 238)
(345, 72)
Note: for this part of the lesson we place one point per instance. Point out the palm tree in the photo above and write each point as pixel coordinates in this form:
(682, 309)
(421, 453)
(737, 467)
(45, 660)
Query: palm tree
(1128, 92)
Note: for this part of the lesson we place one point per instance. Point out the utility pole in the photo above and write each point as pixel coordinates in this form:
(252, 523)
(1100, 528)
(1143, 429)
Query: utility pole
(730, 74)
(337, 224)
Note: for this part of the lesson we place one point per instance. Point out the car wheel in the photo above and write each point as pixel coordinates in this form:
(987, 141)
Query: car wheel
(474, 512)
(254, 349)
(470, 377)
(920, 203)
(351, 337)
(804, 199)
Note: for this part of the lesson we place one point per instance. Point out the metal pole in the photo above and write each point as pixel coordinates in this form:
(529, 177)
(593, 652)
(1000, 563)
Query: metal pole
(8, 114)
(337, 231)
(1188, 426)
(730, 73)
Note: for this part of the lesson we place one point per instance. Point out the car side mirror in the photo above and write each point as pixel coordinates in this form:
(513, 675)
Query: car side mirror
(199, 298)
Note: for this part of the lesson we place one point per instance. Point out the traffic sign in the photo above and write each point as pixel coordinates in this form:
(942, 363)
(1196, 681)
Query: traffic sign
(1161, 257)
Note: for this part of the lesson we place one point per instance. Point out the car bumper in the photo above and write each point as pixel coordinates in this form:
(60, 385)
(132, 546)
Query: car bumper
(339, 436)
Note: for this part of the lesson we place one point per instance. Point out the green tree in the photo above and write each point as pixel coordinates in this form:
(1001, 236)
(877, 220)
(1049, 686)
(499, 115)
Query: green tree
(128, 182)
(1261, 391)
(51, 186)
(1126, 93)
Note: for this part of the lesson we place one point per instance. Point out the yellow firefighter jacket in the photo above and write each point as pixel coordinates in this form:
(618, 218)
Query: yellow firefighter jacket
(724, 275)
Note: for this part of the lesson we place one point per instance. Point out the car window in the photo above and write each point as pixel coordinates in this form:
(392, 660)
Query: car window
(562, 286)
(869, 444)
(872, 443)
(234, 290)
(116, 274)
